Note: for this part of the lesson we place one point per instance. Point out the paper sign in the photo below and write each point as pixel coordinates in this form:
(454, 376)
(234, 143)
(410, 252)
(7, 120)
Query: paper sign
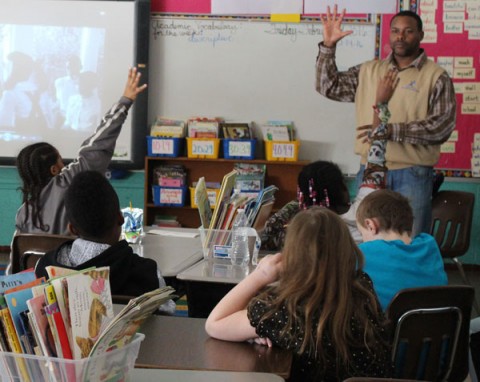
(240, 149)
(453, 28)
(171, 195)
(162, 146)
(283, 150)
(463, 62)
(470, 108)
(202, 147)
(451, 17)
(454, 136)
(471, 87)
(447, 148)
(249, 7)
(471, 98)
(464, 73)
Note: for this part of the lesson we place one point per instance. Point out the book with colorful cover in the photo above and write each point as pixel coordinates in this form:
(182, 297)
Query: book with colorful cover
(90, 307)
(36, 306)
(57, 325)
(203, 203)
(12, 281)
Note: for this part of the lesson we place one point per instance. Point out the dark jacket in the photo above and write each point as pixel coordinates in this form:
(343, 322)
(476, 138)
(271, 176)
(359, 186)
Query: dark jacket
(130, 274)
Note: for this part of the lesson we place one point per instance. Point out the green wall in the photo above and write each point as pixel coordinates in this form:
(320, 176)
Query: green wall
(131, 189)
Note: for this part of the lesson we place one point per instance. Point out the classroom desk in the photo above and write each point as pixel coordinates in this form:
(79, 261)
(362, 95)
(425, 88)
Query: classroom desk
(182, 343)
(172, 253)
(207, 281)
(148, 375)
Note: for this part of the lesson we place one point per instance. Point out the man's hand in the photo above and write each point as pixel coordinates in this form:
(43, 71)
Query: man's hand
(131, 87)
(332, 27)
(362, 133)
(386, 86)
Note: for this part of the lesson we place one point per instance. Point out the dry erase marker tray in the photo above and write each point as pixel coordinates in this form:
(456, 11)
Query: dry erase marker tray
(114, 365)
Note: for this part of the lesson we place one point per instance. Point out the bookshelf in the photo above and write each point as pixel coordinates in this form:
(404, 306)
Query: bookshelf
(281, 174)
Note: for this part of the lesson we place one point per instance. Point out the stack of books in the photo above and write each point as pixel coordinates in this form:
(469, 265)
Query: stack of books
(279, 131)
(202, 127)
(165, 127)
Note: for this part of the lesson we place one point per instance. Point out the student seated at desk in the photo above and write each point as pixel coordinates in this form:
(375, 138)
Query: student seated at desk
(313, 299)
(319, 183)
(94, 215)
(393, 259)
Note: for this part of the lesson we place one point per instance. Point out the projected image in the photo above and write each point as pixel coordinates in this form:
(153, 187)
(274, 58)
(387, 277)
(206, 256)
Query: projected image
(50, 81)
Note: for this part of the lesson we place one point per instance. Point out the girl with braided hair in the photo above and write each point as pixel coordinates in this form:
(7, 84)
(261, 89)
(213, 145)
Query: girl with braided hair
(45, 178)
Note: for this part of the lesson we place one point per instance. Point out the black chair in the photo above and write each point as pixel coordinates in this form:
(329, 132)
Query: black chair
(430, 332)
(452, 213)
(27, 248)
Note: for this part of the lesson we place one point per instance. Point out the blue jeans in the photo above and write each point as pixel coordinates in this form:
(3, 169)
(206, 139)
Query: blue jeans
(416, 184)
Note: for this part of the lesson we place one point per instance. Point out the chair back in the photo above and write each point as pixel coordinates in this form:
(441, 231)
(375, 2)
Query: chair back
(452, 213)
(27, 248)
(430, 332)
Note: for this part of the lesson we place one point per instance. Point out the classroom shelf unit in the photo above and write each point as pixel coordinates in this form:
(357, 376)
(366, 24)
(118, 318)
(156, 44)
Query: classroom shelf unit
(281, 174)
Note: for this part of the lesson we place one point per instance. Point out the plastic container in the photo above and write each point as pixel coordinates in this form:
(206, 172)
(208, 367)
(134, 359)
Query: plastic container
(164, 146)
(212, 196)
(203, 147)
(239, 252)
(216, 243)
(169, 196)
(239, 148)
(115, 365)
(282, 151)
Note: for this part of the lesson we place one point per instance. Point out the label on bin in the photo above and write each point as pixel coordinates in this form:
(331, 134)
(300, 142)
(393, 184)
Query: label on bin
(171, 195)
(221, 251)
(283, 150)
(163, 146)
(240, 149)
(202, 147)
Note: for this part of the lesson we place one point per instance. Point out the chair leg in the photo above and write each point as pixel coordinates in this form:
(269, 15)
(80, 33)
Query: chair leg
(466, 281)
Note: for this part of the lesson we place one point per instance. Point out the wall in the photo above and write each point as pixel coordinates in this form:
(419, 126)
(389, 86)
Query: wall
(131, 189)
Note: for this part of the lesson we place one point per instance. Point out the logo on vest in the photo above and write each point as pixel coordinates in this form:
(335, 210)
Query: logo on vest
(411, 86)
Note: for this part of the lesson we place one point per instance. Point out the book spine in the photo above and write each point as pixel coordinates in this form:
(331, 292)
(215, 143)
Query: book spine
(57, 323)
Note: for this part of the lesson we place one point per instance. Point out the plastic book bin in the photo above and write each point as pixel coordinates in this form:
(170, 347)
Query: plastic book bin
(164, 146)
(216, 243)
(114, 365)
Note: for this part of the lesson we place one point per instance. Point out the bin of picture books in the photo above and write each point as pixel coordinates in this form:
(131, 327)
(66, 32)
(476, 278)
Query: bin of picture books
(239, 148)
(164, 146)
(114, 365)
(282, 150)
(203, 147)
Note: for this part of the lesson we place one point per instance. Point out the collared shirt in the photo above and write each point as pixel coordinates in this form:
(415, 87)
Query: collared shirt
(434, 129)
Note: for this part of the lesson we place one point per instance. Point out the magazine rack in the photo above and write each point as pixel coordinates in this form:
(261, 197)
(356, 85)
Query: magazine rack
(114, 365)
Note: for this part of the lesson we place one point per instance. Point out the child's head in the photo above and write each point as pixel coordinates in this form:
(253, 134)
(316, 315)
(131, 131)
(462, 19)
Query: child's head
(384, 211)
(322, 183)
(318, 245)
(93, 209)
(37, 164)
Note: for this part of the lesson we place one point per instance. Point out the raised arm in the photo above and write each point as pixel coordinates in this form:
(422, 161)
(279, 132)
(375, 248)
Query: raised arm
(132, 87)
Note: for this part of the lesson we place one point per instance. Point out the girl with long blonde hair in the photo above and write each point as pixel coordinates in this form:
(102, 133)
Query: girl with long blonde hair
(314, 299)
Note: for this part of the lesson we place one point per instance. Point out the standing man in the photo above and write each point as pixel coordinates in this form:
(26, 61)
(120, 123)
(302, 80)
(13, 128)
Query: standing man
(422, 107)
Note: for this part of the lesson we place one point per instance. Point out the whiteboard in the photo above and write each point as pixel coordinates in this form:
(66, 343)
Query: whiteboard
(254, 71)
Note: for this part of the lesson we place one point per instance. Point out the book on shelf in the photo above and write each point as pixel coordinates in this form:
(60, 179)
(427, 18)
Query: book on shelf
(250, 176)
(265, 196)
(165, 127)
(11, 281)
(169, 175)
(203, 127)
(236, 130)
(263, 214)
(282, 131)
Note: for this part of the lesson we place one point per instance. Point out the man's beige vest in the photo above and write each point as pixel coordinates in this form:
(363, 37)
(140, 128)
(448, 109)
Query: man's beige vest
(408, 103)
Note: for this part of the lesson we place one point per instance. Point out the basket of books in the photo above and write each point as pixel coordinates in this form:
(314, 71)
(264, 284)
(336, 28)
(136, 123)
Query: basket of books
(280, 142)
(164, 146)
(65, 329)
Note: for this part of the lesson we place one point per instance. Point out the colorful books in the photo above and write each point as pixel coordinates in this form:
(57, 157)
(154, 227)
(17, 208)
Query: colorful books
(203, 203)
(12, 281)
